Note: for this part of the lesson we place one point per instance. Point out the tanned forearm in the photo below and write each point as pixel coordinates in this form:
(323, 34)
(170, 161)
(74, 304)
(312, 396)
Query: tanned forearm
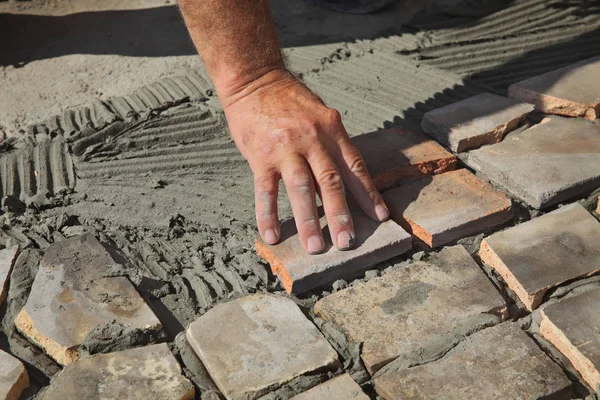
(235, 39)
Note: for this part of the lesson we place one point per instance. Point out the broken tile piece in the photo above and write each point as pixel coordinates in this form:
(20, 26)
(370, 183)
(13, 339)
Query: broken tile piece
(573, 327)
(13, 377)
(340, 388)
(476, 121)
(395, 154)
(300, 272)
(543, 253)
(70, 296)
(572, 91)
(255, 344)
(442, 208)
(546, 164)
(500, 362)
(7, 257)
(143, 373)
(398, 313)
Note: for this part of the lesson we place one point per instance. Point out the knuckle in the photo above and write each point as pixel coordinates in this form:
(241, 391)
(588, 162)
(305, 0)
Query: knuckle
(358, 166)
(301, 182)
(330, 180)
(334, 117)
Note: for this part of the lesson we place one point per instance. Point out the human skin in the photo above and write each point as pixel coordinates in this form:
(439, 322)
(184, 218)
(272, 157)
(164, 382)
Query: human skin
(283, 129)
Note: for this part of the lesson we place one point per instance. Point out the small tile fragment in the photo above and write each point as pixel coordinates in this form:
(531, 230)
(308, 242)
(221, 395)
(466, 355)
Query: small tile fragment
(396, 154)
(540, 254)
(500, 362)
(143, 373)
(545, 165)
(300, 272)
(404, 309)
(573, 327)
(572, 91)
(7, 258)
(70, 297)
(258, 343)
(443, 208)
(340, 388)
(471, 123)
(13, 377)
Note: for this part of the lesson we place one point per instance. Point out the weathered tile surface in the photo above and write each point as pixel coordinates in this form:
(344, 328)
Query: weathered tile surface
(258, 343)
(340, 388)
(7, 257)
(13, 377)
(70, 297)
(542, 253)
(442, 208)
(546, 164)
(395, 154)
(143, 373)
(573, 327)
(299, 272)
(407, 307)
(572, 91)
(500, 362)
(476, 121)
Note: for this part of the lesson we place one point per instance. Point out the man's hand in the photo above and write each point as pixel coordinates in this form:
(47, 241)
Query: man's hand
(286, 131)
(282, 128)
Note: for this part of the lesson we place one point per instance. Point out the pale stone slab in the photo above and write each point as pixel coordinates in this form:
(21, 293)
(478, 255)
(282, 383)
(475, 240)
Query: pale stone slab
(300, 272)
(7, 257)
(253, 345)
(70, 297)
(545, 165)
(573, 327)
(501, 362)
(543, 253)
(340, 388)
(13, 377)
(476, 121)
(572, 91)
(398, 312)
(144, 373)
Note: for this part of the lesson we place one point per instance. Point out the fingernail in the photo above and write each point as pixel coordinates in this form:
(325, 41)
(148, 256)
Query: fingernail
(271, 236)
(382, 212)
(315, 245)
(345, 240)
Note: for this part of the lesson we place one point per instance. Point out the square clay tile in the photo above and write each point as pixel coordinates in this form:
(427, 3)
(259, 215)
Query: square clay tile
(545, 252)
(300, 271)
(476, 121)
(396, 154)
(572, 91)
(442, 208)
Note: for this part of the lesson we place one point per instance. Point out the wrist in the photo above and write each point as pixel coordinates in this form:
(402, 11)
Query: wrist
(238, 87)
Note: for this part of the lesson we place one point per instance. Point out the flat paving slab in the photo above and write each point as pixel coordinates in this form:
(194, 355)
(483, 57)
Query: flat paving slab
(471, 123)
(143, 373)
(543, 253)
(396, 154)
(342, 387)
(70, 297)
(13, 377)
(572, 91)
(300, 272)
(399, 312)
(442, 208)
(573, 327)
(7, 258)
(547, 164)
(500, 362)
(258, 343)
